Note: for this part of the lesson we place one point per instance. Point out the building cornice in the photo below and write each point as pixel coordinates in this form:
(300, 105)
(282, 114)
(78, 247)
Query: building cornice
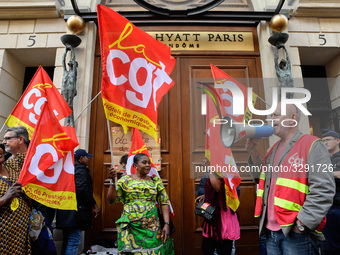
(318, 9)
(29, 9)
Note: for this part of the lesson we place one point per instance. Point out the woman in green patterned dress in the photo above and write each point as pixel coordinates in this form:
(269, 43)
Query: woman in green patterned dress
(139, 230)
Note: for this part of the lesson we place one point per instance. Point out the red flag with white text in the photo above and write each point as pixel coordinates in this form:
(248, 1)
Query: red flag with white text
(233, 94)
(138, 146)
(136, 72)
(28, 109)
(47, 175)
(221, 158)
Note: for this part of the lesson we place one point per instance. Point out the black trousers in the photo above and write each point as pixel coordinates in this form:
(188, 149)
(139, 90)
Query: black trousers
(222, 248)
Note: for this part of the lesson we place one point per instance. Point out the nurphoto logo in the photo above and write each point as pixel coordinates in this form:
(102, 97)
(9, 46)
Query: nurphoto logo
(237, 99)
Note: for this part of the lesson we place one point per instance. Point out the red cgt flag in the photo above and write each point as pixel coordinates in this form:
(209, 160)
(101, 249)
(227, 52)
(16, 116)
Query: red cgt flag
(47, 175)
(231, 93)
(221, 158)
(138, 146)
(136, 70)
(28, 109)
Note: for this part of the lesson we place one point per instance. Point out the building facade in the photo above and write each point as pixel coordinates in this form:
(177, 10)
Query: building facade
(30, 34)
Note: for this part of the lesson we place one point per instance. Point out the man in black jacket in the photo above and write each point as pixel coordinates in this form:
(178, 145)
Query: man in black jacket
(73, 222)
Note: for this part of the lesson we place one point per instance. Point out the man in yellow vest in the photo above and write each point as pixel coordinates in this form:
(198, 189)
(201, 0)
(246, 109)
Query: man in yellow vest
(296, 187)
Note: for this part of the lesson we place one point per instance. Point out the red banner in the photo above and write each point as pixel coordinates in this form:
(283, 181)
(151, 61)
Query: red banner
(221, 158)
(47, 175)
(136, 70)
(230, 90)
(138, 146)
(28, 109)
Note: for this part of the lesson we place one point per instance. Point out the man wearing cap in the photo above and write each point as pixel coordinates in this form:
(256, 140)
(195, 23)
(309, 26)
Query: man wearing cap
(73, 222)
(332, 228)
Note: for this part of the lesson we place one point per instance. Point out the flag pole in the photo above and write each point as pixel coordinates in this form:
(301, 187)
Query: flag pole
(111, 150)
(77, 116)
(263, 100)
(88, 105)
(2, 127)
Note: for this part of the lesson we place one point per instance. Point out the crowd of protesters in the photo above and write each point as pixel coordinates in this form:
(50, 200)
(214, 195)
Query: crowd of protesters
(299, 212)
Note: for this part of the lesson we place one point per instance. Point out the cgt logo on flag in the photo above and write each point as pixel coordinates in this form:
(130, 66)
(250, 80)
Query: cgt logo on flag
(28, 110)
(150, 85)
(47, 150)
(47, 175)
(58, 137)
(136, 72)
(34, 99)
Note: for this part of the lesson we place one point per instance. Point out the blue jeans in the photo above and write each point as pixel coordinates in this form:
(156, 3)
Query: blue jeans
(332, 232)
(263, 247)
(292, 244)
(233, 248)
(71, 241)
